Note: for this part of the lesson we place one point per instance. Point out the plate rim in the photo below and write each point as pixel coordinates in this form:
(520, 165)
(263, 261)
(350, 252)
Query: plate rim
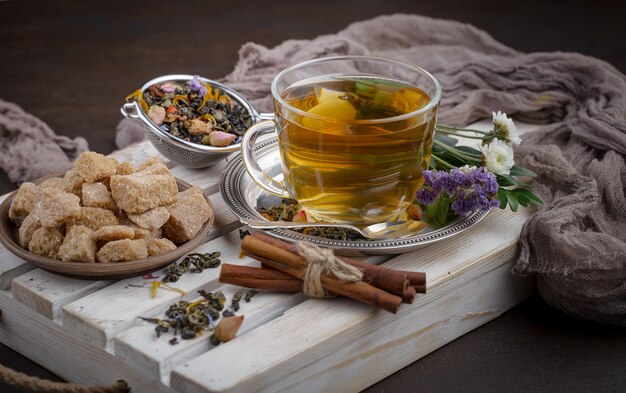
(235, 168)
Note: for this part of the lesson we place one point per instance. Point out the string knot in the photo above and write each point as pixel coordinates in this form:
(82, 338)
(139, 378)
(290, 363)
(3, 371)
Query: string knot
(321, 262)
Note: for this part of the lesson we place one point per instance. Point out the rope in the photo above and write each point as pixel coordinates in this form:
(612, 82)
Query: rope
(38, 385)
(322, 261)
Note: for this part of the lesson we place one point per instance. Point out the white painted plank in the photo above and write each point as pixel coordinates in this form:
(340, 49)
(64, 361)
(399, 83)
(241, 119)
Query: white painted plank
(207, 178)
(10, 265)
(138, 153)
(140, 347)
(267, 354)
(225, 220)
(103, 314)
(47, 293)
(60, 351)
(410, 337)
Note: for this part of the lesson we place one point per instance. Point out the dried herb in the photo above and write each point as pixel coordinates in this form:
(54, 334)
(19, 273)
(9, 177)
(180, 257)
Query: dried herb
(194, 111)
(289, 209)
(234, 303)
(199, 262)
(190, 319)
(249, 294)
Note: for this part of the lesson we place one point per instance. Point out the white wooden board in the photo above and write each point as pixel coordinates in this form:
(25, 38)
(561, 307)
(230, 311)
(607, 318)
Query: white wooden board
(89, 331)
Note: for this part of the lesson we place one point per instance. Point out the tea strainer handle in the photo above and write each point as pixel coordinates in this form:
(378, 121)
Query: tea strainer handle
(130, 111)
(249, 159)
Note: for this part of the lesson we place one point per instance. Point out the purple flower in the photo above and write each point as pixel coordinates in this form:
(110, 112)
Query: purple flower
(467, 189)
(197, 86)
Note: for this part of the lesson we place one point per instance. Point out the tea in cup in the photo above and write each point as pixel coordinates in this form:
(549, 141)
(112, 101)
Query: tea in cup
(354, 134)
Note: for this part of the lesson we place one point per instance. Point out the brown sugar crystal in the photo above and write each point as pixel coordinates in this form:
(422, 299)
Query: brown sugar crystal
(124, 168)
(155, 169)
(28, 195)
(187, 215)
(139, 192)
(160, 246)
(149, 162)
(53, 182)
(151, 219)
(114, 232)
(46, 242)
(97, 195)
(94, 166)
(73, 182)
(79, 245)
(31, 223)
(94, 218)
(58, 207)
(123, 250)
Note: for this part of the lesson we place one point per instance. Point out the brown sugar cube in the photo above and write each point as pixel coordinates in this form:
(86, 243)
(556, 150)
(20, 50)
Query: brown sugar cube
(97, 195)
(46, 242)
(58, 207)
(94, 166)
(73, 182)
(138, 192)
(94, 218)
(160, 246)
(123, 250)
(151, 219)
(53, 182)
(187, 215)
(31, 223)
(155, 169)
(124, 168)
(149, 162)
(79, 245)
(28, 195)
(114, 232)
(141, 233)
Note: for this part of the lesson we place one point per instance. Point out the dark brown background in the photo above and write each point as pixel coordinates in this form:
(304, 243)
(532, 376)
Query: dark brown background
(71, 64)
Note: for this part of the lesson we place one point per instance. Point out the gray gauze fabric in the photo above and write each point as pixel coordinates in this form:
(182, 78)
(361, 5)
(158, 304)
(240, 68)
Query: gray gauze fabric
(577, 241)
(30, 149)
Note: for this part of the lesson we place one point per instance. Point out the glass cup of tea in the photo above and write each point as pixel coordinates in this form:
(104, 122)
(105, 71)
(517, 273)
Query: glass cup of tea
(354, 134)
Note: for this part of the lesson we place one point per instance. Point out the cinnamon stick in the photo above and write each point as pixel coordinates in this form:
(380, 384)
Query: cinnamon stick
(295, 266)
(254, 277)
(390, 280)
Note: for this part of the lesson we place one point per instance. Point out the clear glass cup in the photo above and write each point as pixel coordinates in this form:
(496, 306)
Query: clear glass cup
(354, 132)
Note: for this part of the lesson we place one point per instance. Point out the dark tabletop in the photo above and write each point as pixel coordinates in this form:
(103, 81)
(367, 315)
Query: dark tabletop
(71, 64)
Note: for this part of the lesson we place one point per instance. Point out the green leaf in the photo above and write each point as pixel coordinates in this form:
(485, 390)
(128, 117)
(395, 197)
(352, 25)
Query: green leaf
(506, 181)
(446, 139)
(522, 200)
(470, 150)
(521, 171)
(502, 198)
(528, 195)
(512, 199)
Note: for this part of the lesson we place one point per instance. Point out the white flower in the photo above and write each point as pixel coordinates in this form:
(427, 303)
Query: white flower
(498, 157)
(467, 169)
(504, 128)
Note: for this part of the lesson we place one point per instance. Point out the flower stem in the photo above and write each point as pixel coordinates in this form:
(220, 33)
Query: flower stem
(460, 129)
(445, 164)
(459, 135)
(457, 153)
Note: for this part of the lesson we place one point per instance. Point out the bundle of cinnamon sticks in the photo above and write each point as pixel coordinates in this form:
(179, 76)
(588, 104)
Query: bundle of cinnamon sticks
(283, 270)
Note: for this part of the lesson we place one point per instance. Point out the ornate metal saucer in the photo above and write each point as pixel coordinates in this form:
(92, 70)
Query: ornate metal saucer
(245, 198)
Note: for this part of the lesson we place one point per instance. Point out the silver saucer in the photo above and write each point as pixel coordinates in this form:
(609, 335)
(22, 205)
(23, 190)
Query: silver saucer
(244, 198)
